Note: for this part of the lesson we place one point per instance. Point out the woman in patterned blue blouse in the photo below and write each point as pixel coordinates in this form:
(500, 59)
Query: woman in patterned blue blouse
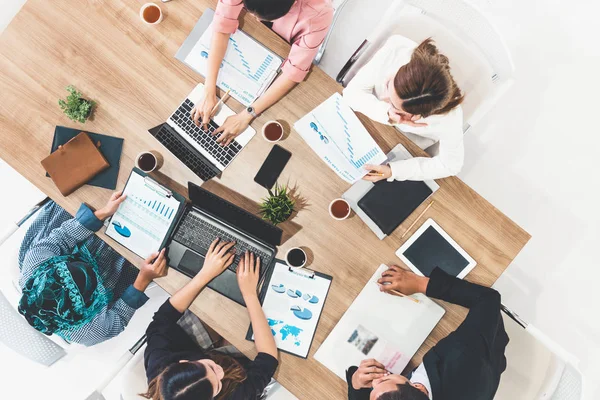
(74, 284)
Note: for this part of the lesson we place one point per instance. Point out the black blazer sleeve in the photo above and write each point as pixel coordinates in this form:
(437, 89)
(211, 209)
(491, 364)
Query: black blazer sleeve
(353, 394)
(164, 338)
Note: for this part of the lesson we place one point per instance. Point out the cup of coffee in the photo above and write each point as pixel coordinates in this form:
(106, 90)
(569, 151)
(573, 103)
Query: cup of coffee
(149, 161)
(339, 209)
(272, 131)
(296, 257)
(151, 14)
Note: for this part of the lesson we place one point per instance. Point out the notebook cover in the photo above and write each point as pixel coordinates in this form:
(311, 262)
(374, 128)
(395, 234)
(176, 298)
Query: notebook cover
(74, 163)
(110, 147)
(388, 204)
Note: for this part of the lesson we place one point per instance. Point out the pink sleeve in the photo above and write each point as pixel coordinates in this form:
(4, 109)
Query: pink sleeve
(305, 47)
(226, 15)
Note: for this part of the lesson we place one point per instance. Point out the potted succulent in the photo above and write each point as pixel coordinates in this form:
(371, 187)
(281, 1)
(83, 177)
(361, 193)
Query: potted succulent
(76, 107)
(278, 206)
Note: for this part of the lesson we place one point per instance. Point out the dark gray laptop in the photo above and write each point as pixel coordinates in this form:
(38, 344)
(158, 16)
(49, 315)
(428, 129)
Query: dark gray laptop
(208, 217)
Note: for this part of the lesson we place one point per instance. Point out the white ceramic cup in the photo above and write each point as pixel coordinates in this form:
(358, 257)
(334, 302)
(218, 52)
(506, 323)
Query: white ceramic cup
(338, 218)
(296, 266)
(160, 18)
(158, 160)
(265, 136)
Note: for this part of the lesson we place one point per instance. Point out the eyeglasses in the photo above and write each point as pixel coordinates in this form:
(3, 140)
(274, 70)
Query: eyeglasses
(316, 129)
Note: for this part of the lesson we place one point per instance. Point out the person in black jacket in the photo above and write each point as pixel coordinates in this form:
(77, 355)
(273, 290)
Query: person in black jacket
(178, 369)
(465, 365)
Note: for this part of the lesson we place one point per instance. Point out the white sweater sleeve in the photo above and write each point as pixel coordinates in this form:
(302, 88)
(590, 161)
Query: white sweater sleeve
(359, 93)
(448, 162)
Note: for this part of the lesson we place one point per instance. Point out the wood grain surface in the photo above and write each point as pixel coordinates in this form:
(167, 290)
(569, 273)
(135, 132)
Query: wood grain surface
(129, 69)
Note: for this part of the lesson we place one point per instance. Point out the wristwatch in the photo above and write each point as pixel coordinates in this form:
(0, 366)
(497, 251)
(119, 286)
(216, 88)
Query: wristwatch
(251, 111)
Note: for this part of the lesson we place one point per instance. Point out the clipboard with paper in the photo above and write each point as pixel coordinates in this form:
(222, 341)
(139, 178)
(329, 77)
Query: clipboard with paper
(292, 300)
(145, 220)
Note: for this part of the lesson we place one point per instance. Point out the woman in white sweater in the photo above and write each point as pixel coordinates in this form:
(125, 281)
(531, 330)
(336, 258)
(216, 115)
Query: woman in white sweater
(410, 87)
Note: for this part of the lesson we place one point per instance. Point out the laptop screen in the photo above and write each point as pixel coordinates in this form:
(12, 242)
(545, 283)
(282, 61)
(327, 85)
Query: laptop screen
(234, 215)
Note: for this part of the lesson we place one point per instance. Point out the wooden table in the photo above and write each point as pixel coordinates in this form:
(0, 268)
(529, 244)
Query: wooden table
(129, 68)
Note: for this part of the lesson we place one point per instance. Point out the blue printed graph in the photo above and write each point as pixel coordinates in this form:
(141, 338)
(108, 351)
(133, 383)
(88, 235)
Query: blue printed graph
(348, 139)
(157, 206)
(243, 65)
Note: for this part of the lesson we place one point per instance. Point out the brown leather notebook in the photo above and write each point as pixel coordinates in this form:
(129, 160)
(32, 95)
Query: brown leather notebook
(74, 163)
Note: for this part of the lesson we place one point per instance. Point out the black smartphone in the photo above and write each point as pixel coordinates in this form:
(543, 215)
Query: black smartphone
(271, 169)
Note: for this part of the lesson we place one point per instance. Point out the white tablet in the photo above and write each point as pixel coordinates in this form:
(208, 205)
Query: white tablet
(429, 247)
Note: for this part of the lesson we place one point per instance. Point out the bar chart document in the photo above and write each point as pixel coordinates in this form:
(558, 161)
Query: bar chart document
(143, 220)
(336, 134)
(248, 68)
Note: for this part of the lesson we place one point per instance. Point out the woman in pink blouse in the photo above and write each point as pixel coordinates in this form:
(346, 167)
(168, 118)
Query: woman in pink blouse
(303, 23)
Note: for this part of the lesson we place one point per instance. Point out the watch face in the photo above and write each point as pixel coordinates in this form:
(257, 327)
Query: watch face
(250, 109)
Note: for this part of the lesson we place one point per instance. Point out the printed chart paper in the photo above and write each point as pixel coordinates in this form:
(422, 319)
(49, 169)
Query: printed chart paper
(378, 325)
(336, 134)
(144, 218)
(247, 68)
(293, 305)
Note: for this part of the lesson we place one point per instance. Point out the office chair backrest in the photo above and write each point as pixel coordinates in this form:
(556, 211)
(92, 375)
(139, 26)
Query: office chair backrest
(472, 25)
(19, 336)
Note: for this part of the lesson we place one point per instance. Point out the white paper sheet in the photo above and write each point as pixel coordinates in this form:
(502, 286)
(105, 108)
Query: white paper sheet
(248, 68)
(381, 326)
(293, 305)
(144, 218)
(336, 134)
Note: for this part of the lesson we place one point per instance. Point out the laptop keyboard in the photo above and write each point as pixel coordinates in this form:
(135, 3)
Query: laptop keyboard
(198, 234)
(183, 119)
(185, 152)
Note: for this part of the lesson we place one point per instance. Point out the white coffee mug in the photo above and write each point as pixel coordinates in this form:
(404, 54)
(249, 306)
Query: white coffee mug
(345, 216)
(264, 135)
(143, 9)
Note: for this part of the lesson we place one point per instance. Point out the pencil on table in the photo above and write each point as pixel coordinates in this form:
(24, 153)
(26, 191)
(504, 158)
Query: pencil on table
(220, 101)
(417, 219)
(397, 293)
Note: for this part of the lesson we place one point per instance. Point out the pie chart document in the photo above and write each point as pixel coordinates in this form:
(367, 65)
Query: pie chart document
(293, 299)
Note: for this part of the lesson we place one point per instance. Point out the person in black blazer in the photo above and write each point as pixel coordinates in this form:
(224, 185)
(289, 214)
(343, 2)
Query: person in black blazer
(465, 365)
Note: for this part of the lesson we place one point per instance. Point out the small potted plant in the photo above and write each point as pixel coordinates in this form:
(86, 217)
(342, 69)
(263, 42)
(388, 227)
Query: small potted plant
(279, 206)
(76, 107)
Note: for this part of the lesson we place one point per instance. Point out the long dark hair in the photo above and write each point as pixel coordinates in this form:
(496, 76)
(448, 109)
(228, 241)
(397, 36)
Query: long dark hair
(188, 381)
(425, 84)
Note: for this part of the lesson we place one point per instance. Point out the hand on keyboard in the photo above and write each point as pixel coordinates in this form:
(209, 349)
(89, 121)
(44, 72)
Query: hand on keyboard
(204, 111)
(248, 273)
(233, 127)
(218, 258)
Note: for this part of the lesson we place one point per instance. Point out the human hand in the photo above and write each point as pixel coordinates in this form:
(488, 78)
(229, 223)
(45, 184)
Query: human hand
(405, 282)
(380, 172)
(217, 259)
(203, 111)
(247, 274)
(367, 371)
(111, 207)
(232, 127)
(405, 119)
(155, 266)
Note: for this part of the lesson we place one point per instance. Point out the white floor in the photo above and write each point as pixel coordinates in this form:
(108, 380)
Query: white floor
(535, 159)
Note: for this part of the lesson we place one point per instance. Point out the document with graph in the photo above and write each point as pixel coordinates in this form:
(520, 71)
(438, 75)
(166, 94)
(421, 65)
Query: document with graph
(248, 67)
(337, 136)
(146, 217)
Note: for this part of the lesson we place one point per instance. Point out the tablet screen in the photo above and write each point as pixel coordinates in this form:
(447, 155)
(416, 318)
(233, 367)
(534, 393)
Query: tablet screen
(432, 250)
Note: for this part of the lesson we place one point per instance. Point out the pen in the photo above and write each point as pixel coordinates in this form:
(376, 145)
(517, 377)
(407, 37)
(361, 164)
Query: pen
(417, 219)
(220, 102)
(374, 174)
(397, 293)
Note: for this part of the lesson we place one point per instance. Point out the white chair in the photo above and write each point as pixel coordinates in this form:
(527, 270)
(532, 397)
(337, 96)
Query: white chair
(480, 60)
(56, 361)
(537, 367)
